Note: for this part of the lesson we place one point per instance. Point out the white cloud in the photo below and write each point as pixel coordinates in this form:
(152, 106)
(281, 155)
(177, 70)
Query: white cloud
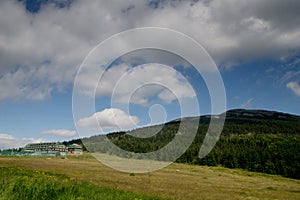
(137, 85)
(15, 85)
(289, 75)
(40, 53)
(60, 133)
(111, 119)
(294, 86)
(9, 141)
(256, 24)
(247, 103)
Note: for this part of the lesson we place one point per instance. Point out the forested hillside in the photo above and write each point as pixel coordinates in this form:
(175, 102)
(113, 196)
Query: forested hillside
(256, 140)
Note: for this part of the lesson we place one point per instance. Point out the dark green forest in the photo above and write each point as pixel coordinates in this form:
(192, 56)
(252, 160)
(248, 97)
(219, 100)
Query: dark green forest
(255, 140)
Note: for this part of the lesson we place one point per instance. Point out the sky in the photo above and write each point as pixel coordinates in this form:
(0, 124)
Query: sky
(43, 43)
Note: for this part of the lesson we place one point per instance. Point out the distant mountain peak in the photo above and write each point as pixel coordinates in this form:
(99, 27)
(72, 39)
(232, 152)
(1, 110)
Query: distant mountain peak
(244, 114)
(266, 114)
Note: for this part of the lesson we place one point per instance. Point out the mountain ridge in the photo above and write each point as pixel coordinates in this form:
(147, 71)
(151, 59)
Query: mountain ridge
(247, 113)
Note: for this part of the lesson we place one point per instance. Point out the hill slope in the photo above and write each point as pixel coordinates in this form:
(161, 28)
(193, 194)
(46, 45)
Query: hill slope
(256, 140)
(177, 181)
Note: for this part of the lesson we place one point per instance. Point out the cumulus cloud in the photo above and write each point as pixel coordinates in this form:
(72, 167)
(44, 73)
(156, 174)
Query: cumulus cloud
(40, 53)
(60, 133)
(9, 141)
(110, 119)
(137, 85)
(294, 86)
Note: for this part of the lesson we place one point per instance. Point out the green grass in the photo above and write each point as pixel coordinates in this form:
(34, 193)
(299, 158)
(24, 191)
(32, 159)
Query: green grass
(86, 178)
(18, 183)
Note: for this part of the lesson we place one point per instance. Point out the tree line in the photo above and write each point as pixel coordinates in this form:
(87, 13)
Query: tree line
(261, 144)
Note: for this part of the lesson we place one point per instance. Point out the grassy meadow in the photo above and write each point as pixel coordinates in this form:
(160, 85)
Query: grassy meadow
(22, 184)
(86, 178)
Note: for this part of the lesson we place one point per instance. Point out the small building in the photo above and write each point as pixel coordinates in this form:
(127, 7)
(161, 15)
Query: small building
(47, 149)
(75, 149)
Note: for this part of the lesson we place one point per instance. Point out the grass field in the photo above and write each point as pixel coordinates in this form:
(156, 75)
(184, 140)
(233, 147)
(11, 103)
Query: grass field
(22, 184)
(177, 181)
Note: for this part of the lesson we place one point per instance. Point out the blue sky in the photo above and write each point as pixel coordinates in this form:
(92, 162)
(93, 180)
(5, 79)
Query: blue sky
(255, 46)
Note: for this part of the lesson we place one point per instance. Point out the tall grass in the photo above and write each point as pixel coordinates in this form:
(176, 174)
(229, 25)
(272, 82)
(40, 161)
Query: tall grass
(23, 184)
